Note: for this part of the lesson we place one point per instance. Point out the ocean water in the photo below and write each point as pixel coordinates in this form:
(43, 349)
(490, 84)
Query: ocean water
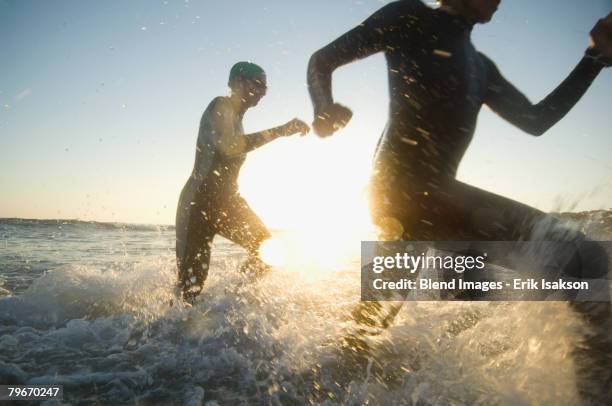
(86, 305)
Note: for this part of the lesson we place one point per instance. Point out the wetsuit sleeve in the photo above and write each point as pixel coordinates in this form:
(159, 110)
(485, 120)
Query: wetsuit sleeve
(232, 144)
(512, 105)
(256, 140)
(369, 37)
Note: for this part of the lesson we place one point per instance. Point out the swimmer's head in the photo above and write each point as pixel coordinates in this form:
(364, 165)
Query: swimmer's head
(477, 11)
(248, 81)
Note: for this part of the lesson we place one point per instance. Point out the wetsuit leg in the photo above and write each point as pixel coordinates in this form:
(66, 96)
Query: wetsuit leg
(458, 211)
(193, 259)
(240, 224)
(475, 214)
(593, 352)
(463, 212)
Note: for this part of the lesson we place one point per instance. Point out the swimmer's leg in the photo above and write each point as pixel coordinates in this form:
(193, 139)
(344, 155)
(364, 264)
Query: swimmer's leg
(462, 212)
(451, 213)
(593, 353)
(242, 226)
(586, 259)
(193, 250)
(378, 312)
(371, 317)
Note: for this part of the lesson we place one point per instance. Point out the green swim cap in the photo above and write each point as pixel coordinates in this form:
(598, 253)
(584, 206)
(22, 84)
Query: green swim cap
(247, 70)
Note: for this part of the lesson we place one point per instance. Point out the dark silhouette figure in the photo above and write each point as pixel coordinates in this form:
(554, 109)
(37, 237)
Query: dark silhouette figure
(210, 203)
(438, 82)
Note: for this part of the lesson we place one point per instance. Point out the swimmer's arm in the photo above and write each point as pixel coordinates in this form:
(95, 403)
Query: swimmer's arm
(366, 39)
(512, 105)
(233, 145)
(256, 140)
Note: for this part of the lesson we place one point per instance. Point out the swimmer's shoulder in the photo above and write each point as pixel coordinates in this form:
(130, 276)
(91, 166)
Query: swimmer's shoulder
(219, 106)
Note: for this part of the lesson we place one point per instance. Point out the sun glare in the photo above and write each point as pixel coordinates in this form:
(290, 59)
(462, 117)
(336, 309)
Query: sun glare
(274, 252)
(312, 196)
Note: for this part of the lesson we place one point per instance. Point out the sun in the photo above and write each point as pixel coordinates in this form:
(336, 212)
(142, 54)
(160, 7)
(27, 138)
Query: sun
(312, 194)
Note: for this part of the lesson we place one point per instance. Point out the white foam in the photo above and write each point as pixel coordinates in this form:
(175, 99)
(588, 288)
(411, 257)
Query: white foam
(109, 335)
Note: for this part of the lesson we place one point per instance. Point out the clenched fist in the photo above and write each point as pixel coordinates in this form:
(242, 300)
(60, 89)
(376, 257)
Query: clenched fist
(296, 126)
(600, 38)
(331, 119)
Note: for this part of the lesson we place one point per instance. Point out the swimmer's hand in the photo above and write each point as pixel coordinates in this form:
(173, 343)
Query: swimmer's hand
(296, 126)
(331, 119)
(600, 38)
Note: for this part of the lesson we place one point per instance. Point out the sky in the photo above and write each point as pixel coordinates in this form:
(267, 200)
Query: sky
(100, 104)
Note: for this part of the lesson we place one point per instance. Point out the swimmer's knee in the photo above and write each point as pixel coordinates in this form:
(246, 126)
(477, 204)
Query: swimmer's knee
(588, 259)
(593, 257)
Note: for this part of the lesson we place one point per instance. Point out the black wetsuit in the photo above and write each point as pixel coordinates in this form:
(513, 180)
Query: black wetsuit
(210, 203)
(438, 82)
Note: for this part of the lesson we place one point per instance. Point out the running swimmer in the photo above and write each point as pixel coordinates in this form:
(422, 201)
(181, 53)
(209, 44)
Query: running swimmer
(210, 203)
(438, 82)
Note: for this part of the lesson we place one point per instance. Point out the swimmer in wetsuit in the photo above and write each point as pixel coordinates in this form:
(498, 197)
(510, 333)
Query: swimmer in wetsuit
(438, 82)
(210, 203)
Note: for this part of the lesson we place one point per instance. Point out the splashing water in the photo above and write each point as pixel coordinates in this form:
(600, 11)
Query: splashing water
(103, 327)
